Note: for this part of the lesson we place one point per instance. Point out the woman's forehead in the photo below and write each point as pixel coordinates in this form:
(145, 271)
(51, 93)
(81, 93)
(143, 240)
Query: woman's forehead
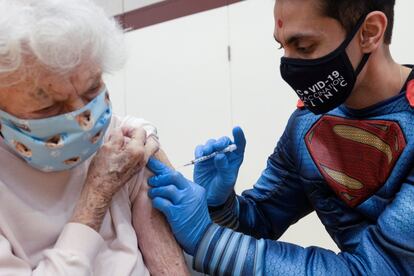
(81, 73)
(32, 76)
(45, 87)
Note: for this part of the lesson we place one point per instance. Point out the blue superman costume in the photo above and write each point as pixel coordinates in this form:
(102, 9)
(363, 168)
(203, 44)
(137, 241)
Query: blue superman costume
(354, 168)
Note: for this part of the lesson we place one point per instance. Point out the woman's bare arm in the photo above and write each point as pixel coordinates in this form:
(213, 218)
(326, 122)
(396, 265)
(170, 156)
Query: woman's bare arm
(162, 254)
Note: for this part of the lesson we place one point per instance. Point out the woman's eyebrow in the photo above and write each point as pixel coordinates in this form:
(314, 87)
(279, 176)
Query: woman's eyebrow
(96, 81)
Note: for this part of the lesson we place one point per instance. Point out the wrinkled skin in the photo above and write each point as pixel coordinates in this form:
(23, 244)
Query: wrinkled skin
(124, 154)
(162, 254)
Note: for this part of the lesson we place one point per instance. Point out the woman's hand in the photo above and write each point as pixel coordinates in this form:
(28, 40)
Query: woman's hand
(125, 153)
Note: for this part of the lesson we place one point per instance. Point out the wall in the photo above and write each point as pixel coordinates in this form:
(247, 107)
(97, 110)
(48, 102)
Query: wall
(115, 7)
(178, 76)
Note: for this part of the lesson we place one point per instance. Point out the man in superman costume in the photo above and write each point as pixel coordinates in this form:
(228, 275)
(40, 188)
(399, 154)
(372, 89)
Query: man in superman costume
(347, 153)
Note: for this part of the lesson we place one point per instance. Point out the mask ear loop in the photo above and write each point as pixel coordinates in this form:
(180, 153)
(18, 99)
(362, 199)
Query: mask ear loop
(362, 63)
(351, 36)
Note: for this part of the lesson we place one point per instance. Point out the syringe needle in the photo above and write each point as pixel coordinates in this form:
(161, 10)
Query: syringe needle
(230, 148)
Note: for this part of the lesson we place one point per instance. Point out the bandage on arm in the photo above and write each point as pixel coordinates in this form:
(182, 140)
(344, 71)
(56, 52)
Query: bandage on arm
(162, 254)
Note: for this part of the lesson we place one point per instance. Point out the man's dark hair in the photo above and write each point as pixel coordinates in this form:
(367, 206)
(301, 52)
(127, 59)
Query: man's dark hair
(348, 12)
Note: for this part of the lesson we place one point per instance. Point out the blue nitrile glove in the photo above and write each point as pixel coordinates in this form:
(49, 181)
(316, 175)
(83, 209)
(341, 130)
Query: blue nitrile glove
(219, 174)
(182, 202)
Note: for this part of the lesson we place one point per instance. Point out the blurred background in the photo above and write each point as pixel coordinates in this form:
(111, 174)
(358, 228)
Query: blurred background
(197, 68)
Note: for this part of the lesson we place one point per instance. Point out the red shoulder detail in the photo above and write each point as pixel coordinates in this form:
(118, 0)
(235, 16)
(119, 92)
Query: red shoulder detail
(410, 93)
(301, 105)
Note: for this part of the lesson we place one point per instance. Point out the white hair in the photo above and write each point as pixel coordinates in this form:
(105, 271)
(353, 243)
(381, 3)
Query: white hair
(60, 34)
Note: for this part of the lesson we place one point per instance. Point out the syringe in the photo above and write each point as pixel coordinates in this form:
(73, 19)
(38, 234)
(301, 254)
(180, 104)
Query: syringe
(230, 148)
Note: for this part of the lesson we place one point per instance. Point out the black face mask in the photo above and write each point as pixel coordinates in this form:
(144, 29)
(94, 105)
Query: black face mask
(324, 83)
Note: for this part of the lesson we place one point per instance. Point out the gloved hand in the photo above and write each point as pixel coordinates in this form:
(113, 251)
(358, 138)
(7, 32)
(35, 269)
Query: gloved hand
(218, 175)
(182, 202)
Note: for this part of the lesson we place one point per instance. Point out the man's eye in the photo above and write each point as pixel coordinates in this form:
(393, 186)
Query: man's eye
(305, 50)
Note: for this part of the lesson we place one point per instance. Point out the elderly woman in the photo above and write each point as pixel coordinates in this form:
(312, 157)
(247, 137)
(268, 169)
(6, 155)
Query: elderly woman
(72, 178)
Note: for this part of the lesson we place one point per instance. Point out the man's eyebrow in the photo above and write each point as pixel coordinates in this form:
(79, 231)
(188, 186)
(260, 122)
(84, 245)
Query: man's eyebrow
(296, 37)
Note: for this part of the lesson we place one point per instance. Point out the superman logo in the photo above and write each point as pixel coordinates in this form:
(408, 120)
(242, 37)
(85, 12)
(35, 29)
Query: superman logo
(355, 157)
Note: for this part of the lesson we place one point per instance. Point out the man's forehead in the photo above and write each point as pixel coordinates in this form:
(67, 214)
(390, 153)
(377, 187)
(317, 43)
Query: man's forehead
(298, 19)
(286, 31)
(294, 11)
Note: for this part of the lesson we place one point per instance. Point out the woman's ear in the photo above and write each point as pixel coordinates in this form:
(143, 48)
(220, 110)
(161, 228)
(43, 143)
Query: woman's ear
(372, 31)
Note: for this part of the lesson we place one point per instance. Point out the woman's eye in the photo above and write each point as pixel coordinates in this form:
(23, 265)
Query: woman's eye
(49, 111)
(93, 92)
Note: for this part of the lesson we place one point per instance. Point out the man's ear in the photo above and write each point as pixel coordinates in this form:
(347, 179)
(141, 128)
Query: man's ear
(372, 31)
